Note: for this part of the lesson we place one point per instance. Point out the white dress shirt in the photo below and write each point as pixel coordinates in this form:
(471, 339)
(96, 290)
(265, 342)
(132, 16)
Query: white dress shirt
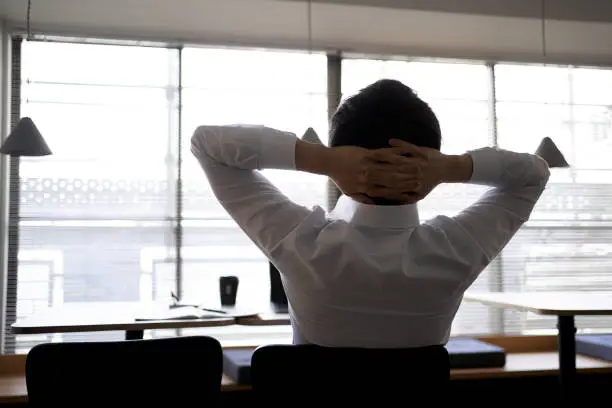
(365, 275)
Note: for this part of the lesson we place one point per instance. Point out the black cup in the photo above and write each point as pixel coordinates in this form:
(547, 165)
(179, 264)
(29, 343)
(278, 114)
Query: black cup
(228, 289)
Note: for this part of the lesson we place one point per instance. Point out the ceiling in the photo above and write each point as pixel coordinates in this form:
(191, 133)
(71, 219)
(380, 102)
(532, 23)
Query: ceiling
(576, 32)
(571, 10)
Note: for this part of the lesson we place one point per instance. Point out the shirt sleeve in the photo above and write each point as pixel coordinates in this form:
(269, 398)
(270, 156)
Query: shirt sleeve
(231, 157)
(483, 229)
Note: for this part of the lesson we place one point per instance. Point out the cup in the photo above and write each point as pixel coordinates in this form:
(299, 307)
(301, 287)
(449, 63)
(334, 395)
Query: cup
(228, 289)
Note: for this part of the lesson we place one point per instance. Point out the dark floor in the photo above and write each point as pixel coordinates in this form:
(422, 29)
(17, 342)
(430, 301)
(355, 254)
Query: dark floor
(520, 390)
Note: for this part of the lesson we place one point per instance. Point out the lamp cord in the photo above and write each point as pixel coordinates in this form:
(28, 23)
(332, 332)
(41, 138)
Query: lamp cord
(309, 20)
(309, 26)
(543, 5)
(28, 16)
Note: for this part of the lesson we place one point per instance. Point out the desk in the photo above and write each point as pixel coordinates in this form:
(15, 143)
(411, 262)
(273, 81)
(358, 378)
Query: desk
(13, 389)
(565, 306)
(265, 319)
(106, 317)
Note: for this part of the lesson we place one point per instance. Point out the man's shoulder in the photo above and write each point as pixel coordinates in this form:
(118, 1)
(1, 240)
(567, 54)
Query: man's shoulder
(317, 217)
(437, 223)
(438, 228)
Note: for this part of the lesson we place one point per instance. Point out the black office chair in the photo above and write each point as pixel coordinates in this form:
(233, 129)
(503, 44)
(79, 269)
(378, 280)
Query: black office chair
(182, 371)
(314, 374)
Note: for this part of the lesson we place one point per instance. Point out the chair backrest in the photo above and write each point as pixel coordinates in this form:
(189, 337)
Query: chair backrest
(313, 374)
(181, 370)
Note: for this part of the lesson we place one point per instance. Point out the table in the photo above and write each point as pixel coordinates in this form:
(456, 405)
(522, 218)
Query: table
(565, 306)
(107, 317)
(265, 319)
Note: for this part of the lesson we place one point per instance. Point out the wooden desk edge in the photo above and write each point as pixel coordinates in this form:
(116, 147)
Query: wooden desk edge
(263, 321)
(536, 310)
(136, 325)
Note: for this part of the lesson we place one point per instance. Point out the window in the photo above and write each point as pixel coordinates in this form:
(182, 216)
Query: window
(92, 211)
(98, 218)
(566, 244)
(284, 90)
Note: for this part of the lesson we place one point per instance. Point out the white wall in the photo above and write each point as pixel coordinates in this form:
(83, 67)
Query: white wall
(335, 27)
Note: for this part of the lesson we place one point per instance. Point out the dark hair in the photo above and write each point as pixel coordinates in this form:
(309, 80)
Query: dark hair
(386, 109)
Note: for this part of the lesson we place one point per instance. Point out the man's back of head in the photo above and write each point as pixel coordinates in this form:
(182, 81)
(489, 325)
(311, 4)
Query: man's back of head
(384, 110)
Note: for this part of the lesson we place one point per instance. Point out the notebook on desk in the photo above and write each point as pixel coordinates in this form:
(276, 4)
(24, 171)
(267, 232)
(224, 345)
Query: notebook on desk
(178, 313)
(191, 312)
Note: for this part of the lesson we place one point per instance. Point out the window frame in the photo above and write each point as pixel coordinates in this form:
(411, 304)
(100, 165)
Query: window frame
(8, 298)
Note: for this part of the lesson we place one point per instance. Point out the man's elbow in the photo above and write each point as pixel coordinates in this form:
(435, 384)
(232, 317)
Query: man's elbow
(198, 141)
(541, 173)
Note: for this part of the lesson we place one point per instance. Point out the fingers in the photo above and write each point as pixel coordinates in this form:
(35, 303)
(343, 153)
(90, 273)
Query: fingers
(406, 170)
(390, 155)
(388, 173)
(408, 148)
(390, 177)
(384, 181)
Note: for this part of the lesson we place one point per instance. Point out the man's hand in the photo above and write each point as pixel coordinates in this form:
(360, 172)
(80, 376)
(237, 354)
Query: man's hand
(383, 173)
(435, 168)
(431, 163)
(403, 172)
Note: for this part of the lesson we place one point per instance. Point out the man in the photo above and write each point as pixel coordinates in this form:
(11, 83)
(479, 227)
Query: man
(370, 273)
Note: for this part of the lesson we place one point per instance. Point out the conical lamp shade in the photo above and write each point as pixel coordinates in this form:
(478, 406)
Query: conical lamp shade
(549, 151)
(311, 136)
(25, 140)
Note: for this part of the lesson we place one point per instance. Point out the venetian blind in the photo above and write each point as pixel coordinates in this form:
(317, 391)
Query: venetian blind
(97, 212)
(282, 89)
(566, 246)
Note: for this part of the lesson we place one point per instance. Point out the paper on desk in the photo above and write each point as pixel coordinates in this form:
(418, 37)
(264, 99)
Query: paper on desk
(178, 313)
(224, 311)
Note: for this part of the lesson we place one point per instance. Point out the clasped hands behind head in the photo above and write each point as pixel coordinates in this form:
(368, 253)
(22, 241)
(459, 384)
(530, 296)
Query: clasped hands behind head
(401, 173)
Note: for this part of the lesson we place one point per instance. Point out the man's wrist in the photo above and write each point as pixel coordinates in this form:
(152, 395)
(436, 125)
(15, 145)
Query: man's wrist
(312, 158)
(456, 168)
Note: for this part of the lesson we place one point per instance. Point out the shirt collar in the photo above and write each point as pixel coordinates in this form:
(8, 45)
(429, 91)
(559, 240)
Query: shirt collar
(382, 216)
